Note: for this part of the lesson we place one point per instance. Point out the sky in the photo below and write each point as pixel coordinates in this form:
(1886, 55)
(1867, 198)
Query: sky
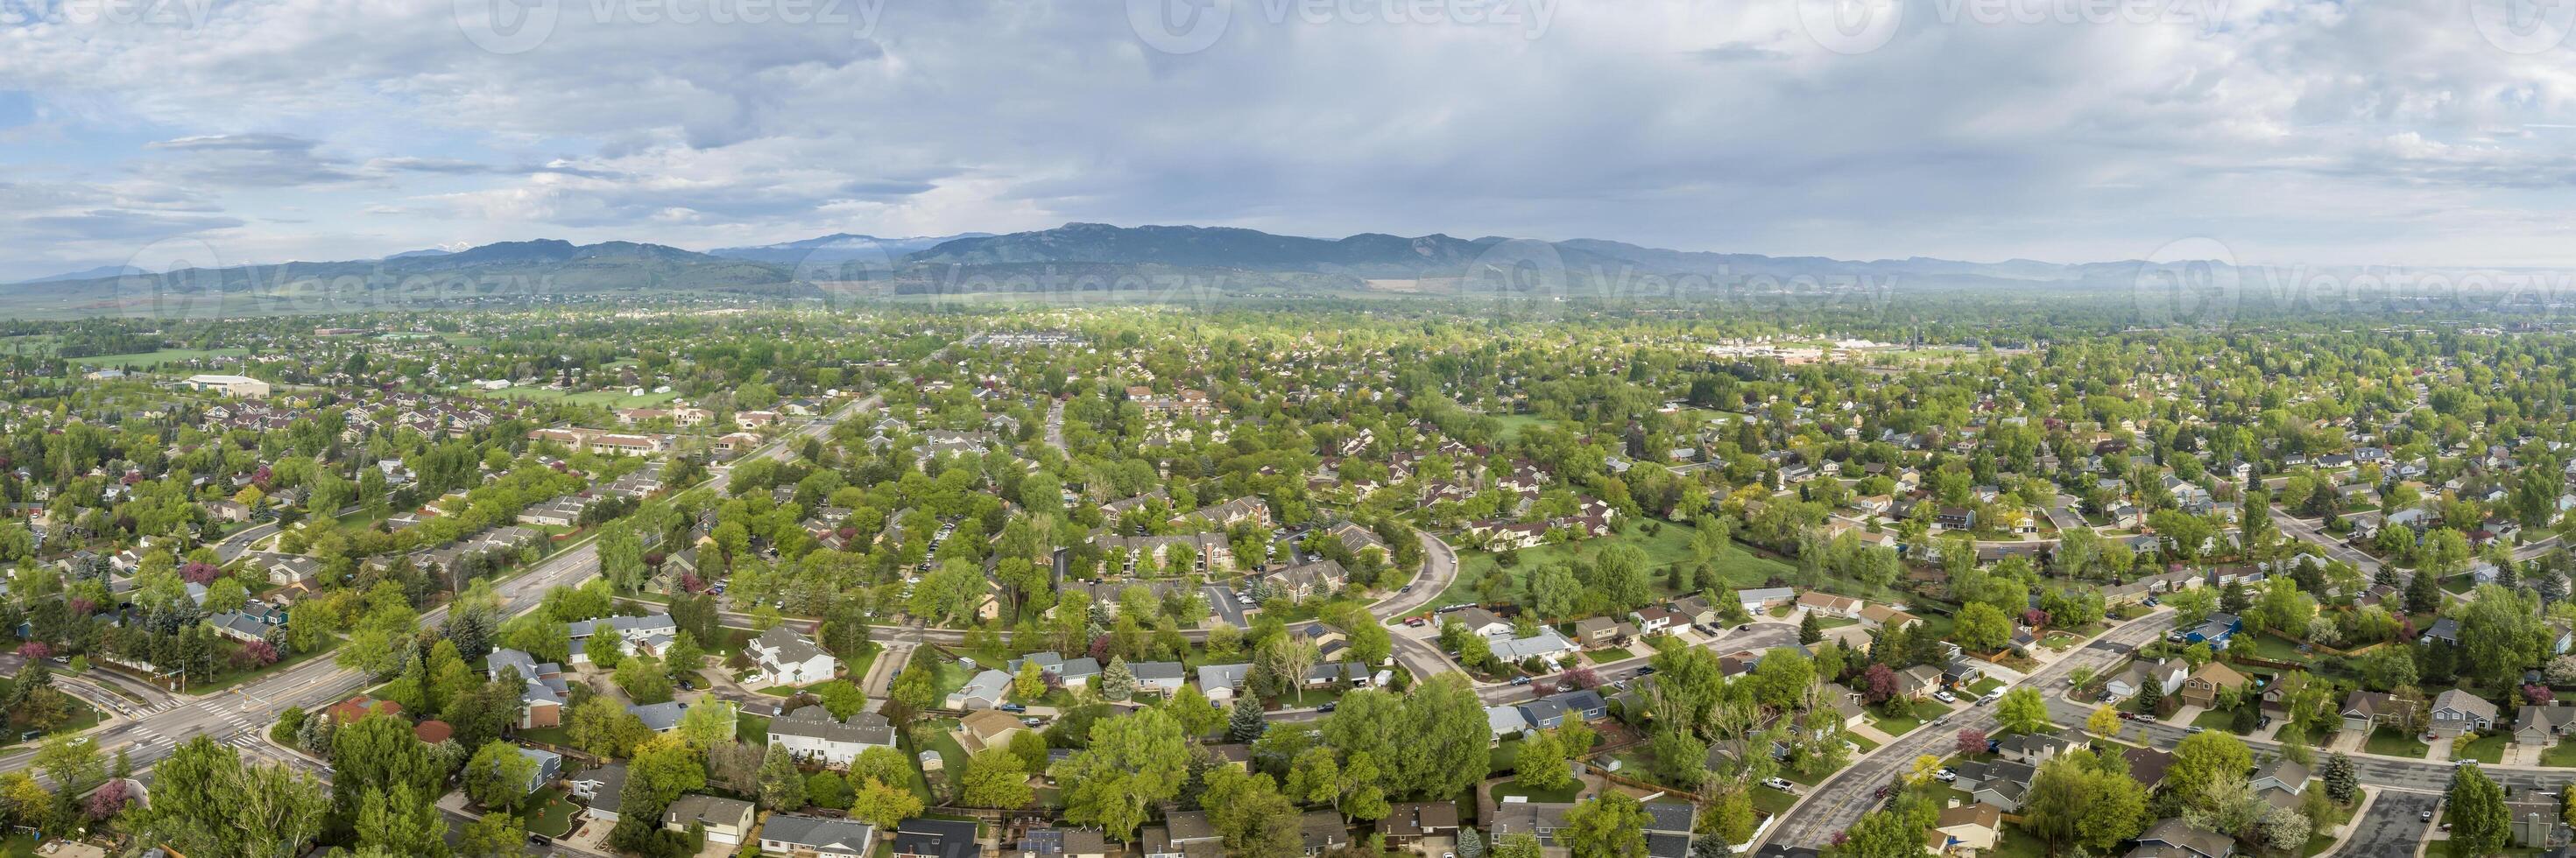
(2391, 132)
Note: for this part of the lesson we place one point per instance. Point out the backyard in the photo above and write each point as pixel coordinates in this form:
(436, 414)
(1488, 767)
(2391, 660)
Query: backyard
(1670, 545)
(550, 812)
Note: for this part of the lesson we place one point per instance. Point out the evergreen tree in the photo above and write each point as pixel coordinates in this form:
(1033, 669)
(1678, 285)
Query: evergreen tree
(1810, 630)
(2343, 779)
(1246, 724)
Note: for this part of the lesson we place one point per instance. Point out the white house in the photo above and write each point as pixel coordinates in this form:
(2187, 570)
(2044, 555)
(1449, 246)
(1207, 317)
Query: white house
(783, 657)
(811, 734)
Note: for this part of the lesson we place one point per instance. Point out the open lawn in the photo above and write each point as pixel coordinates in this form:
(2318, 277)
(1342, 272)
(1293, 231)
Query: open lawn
(2392, 743)
(1924, 710)
(83, 716)
(602, 398)
(550, 813)
(2215, 719)
(1503, 757)
(2562, 754)
(1514, 788)
(751, 728)
(1980, 687)
(2484, 749)
(1670, 545)
(148, 360)
(1512, 425)
(1772, 801)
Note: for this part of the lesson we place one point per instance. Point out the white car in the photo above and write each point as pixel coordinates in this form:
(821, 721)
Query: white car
(1779, 784)
(1945, 776)
(1945, 697)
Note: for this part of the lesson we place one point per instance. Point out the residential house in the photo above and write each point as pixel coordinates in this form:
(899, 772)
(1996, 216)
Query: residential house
(1918, 681)
(2282, 774)
(2202, 687)
(819, 837)
(724, 820)
(603, 788)
(1595, 631)
(2457, 712)
(2034, 748)
(2167, 676)
(2174, 838)
(780, 656)
(2542, 726)
(984, 691)
(1158, 677)
(810, 733)
(936, 838)
(2364, 711)
(1966, 830)
(987, 728)
(1882, 616)
(1827, 604)
(1050, 842)
(1419, 822)
(1540, 819)
(1761, 599)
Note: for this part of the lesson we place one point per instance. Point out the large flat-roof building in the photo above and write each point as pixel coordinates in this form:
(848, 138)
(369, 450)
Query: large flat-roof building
(242, 386)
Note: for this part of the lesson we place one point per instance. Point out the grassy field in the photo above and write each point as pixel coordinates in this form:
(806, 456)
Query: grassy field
(1514, 788)
(83, 717)
(1669, 546)
(602, 398)
(2562, 754)
(1924, 710)
(2484, 749)
(1514, 424)
(148, 360)
(2395, 744)
(2214, 719)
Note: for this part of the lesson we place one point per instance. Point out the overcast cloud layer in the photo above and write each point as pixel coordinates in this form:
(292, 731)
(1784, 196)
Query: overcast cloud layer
(2406, 132)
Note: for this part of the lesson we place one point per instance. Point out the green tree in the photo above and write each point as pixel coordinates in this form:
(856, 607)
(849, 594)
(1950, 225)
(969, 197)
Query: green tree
(2201, 759)
(2480, 823)
(400, 822)
(1612, 825)
(493, 835)
(1542, 764)
(994, 778)
(1981, 628)
(883, 804)
(780, 787)
(2022, 710)
(1245, 724)
(498, 775)
(1134, 763)
(206, 802)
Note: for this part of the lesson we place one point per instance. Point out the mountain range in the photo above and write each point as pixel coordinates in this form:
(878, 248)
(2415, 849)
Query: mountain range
(1238, 259)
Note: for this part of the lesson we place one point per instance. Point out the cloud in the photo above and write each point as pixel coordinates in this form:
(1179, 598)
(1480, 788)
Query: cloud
(2359, 133)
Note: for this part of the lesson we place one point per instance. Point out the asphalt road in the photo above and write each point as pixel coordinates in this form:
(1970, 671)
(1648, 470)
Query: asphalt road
(1841, 800)
(2394, 827)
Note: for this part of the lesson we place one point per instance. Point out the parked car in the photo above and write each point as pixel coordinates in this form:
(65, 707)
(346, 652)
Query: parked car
(1945, 697)
(1779, 784)
(1013, 708)
(1990, 697)
(2195, 728)
(1520, 680)
(1945, 776)
(1328, 706)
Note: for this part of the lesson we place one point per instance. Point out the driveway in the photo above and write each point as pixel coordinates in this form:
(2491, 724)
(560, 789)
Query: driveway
(2394, 826)
(1222, 605)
